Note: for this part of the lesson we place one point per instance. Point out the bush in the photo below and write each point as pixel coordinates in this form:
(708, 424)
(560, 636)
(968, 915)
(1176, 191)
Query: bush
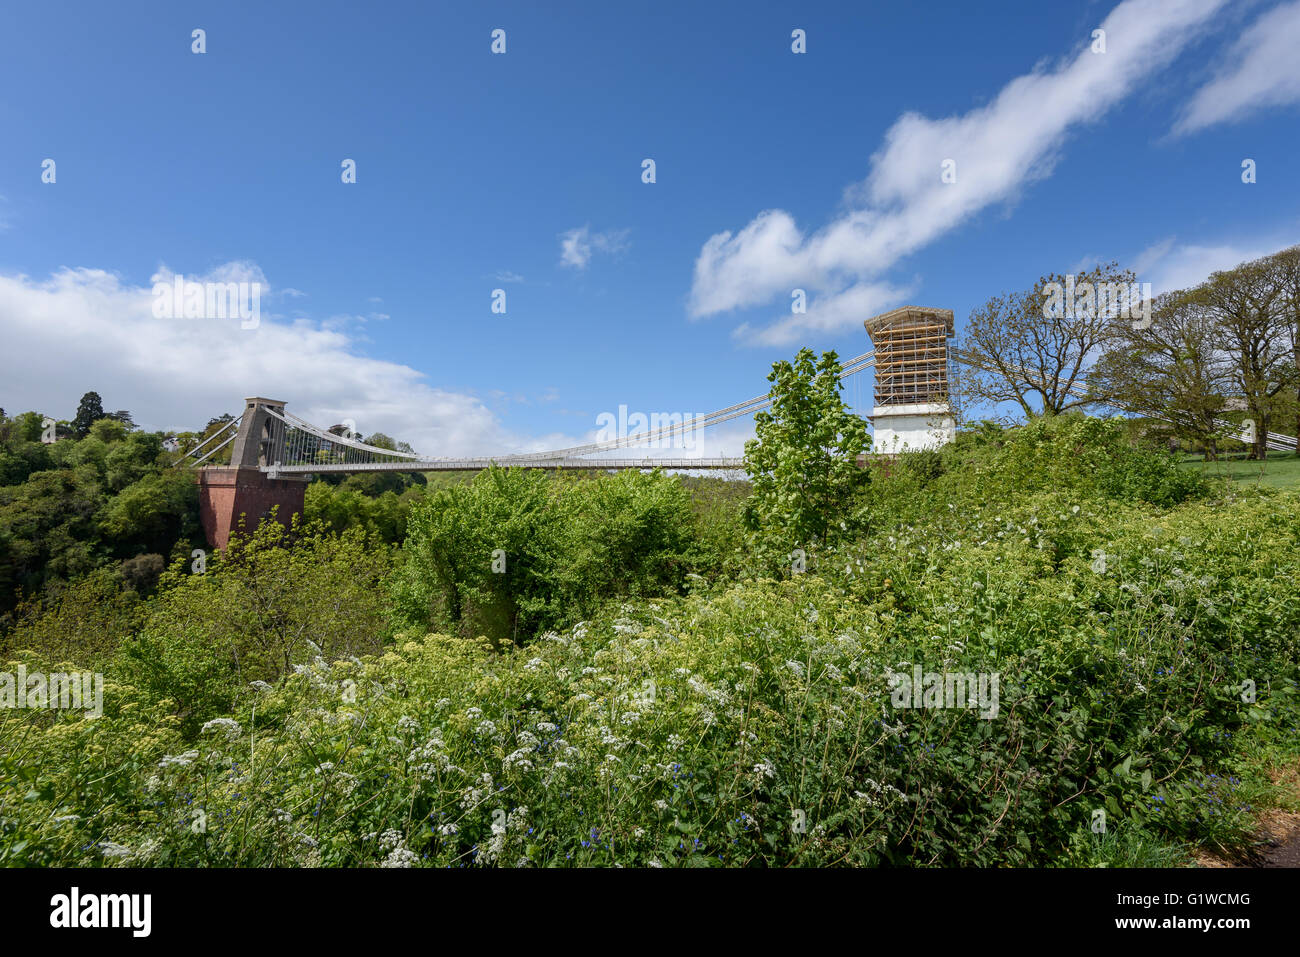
(513, 552)
(270, 601)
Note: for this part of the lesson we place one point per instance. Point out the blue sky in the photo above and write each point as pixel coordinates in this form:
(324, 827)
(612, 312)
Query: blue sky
(522, 171)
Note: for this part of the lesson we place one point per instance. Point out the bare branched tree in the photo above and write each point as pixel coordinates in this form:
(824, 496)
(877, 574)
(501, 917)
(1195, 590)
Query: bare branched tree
(1034, 348)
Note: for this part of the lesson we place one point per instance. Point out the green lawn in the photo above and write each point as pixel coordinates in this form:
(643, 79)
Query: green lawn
(1282, 470)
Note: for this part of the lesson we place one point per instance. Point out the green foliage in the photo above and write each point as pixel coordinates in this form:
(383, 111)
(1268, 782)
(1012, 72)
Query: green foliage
(513, 552)
(1123, 609)
(754, 725)
(271, 600)
(83, 622)
(1069, 453)
(159, 509)
(47, 530)
(75, 505)
(89, 411)
(803, 461)
(340, 507)
(507, 519)
(1085, 454)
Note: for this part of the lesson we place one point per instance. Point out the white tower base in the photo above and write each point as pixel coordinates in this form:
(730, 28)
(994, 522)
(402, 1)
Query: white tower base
(907, 428)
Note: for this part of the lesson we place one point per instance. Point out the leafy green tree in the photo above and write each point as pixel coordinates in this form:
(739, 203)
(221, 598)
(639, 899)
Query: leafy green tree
(47, 530)
(340, 507)
(479, 555)
(89, 411)
(83, 622)
(272, 599)
(630, 535)
(1173, 370)
(515, 552)
(803, 461)
(1249, 306)
(108, 430)
(152, 513)
(123, 416)
(21, 451)
(134, 457)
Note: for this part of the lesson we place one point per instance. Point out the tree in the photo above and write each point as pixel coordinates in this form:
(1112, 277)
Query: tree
(89, 411)
(803, 461)
(272, 599)
(1287, 269)
(1248, 306)
(122, 416)
(1033, 348)
(1172, 370)
(481, 556)
(152, 513)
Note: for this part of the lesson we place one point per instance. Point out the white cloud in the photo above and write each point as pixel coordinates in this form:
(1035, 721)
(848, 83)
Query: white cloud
(577, 246)
(903, 203)
(86, 329)
(1260, 72)
(1169, 265)
(505, 275)
(827, 314)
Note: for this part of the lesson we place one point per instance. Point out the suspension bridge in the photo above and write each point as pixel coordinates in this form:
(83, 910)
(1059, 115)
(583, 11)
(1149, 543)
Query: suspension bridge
(274, 453)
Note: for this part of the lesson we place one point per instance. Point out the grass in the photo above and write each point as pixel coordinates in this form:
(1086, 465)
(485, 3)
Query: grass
(1280, 470)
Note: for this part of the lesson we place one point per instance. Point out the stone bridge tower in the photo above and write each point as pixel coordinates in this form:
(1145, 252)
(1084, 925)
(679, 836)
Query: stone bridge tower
(243, 490)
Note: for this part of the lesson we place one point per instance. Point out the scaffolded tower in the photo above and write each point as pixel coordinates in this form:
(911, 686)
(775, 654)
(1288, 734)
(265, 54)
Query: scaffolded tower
(913, 408)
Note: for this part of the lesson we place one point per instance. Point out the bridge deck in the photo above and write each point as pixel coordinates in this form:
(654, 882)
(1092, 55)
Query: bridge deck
(478, 464)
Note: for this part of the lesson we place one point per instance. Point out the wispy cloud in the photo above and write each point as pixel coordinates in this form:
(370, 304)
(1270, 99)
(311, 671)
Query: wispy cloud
(904, 204)
(1259, 72)
(577, 246)
(1170, 265)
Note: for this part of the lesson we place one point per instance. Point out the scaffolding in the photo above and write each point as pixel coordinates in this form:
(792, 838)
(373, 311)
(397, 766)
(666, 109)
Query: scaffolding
(912, 361)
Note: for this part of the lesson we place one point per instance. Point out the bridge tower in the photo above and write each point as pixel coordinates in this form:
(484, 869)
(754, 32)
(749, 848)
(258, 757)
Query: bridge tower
(913, 404)
(243, 489)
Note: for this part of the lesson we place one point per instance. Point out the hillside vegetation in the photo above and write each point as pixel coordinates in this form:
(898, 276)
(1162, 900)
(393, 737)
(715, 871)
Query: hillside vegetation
(650, 680)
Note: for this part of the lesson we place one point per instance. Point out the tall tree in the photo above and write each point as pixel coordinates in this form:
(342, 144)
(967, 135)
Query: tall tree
(1034, 348)
(123, 416)
(89, 410)
(1172, 370)
(803, 461)
(1248, 306)
(1287, 269)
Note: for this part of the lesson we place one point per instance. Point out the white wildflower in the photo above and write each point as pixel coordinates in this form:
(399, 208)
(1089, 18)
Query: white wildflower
(228, 726)
(178, 760)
